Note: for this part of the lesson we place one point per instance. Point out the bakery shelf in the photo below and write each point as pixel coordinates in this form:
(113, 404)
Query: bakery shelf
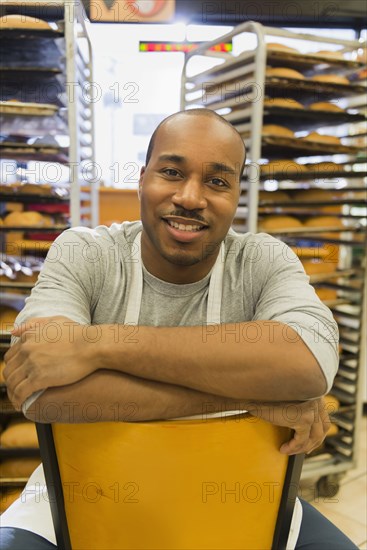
(32, 198)
(19, 452)
(35, 229)
(13, 481)
(17, 108)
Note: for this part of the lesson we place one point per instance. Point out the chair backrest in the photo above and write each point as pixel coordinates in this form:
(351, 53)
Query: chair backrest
(219, 483)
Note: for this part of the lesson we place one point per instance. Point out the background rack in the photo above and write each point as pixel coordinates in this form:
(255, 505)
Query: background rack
(235, 86)
(50, 73)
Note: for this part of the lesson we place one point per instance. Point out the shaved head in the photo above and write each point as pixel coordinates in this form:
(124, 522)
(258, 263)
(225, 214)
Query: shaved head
(198, 113)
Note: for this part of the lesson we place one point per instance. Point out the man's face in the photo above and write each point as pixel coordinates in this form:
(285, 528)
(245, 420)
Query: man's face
(189, 194)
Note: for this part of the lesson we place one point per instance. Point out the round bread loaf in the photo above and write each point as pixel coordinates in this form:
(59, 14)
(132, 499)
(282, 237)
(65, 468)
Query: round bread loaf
(18, 467)
(20, 433)
(326, 294)
(8, 496)
(325, 221)
(284, 72)
(20, 21)
(7, 317)
(27, 219)
(274, 196)
(276, 130)
(281, 47)
(282, 166)
(315, 267)
(315, 195)
(334, 54)
(272, 223)
(286, 102)
(330, 78)
(321, 138)
(325, 167)
(34, 189)
(326, 106)
(332, 404)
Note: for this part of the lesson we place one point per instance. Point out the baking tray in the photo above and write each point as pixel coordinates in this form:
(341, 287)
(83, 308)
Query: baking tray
(296, 146)
(33, 198)
(51, 70)
(19, 452)
(50, 154)
(34, 228)
(303, 60)
(313, 174)
(24, 33)
(309, 85)
(30, 109)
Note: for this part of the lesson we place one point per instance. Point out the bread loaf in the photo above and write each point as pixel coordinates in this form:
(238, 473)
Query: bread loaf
(316, 267)
(281, 47)
(326, 106)
(282, 166)
(8, 496)
(274, 196)
(7, 317)
(326, 294)
(276, 130)
(27, 219)
(18, 467)
(321, 138)
(330, 78)
(333, 54)
(272, 223)
(20, 433)
(20, 21)
(325, 221)
(284, 72)
(287, 103)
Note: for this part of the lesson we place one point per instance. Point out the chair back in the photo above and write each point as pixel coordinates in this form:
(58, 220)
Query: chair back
(219, 483)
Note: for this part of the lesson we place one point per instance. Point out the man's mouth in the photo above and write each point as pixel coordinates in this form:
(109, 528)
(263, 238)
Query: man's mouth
(185, 224)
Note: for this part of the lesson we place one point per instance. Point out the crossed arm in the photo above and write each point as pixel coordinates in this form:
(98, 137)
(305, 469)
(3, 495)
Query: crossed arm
(166, 372)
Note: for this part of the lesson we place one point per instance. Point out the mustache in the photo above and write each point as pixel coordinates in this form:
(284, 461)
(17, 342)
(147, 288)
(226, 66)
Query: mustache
(190, 214)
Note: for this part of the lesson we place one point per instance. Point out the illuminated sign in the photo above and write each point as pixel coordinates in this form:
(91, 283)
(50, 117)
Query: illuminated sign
(180, 47)
(132, 11)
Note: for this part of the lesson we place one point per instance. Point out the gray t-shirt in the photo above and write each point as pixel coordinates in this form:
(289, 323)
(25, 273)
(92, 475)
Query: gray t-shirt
(87, 276)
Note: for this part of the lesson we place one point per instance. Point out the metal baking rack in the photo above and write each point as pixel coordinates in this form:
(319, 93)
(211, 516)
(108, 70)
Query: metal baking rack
(236, 85)
(70, 103)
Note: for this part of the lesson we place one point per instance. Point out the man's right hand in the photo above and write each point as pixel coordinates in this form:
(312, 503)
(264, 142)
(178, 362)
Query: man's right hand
(309, 420)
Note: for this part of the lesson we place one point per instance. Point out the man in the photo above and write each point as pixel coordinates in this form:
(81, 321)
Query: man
(184, 313)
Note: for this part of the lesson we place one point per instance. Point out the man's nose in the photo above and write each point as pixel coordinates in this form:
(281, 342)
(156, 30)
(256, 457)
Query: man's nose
(190, 194)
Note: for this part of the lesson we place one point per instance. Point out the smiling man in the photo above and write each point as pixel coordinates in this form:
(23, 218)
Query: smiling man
(176, 314)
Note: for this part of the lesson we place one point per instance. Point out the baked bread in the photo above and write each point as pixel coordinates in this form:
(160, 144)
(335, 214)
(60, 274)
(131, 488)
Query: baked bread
(281, 47)
(20, 433)
(27, 219)
(272, 223)
(330, 78)
(315, 195)
(326, 106)
(325, 166)
(7, 317)
(284, 72)
(334, 54)
(20, 21)
(282, 166)
(274, 196)
(286, 103)
(34, 189)
(321, 138)
(332, 404)
(8, 496)
(325, 221)
(326, 294)
(315, 267)
(276, 130)
(18, 467)
(2, 367)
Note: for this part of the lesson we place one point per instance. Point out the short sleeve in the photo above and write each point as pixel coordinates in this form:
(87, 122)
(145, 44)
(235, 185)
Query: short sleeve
(283, 294)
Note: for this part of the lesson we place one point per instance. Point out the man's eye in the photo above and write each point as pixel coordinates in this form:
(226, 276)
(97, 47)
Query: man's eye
(218, 181)
(170, 172)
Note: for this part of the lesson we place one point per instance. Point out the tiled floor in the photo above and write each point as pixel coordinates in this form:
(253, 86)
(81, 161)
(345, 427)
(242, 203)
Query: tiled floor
(348, 509)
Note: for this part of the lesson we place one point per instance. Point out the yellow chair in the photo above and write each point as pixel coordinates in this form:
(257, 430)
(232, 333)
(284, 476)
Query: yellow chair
(215, 484)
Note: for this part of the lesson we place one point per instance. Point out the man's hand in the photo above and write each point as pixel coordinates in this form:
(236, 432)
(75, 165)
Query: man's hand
(309, 420)
(51, 351)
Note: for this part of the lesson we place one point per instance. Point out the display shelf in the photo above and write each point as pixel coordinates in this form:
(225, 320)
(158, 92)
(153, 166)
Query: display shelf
(241, 88)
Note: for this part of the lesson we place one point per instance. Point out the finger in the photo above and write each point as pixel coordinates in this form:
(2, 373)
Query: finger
(299, 442)
(10, 354)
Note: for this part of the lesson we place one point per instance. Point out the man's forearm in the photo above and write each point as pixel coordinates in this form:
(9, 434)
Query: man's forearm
(113, 396)
(263, 361)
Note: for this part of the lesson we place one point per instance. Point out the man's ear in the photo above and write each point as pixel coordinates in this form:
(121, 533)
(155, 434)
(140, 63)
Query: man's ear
(142, 172)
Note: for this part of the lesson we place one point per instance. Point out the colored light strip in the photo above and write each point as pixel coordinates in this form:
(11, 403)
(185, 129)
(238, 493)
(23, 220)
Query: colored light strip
(180, 47)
